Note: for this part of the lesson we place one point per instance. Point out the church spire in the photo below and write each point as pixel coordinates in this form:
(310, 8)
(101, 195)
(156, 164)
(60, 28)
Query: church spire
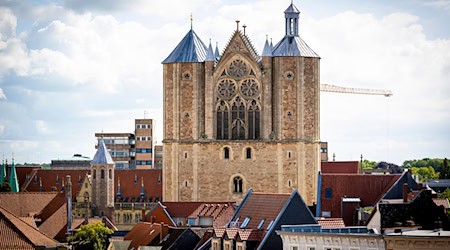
(2, 172)
(267, 51)
(210, 54)
(119, 190)
(292, 15)
(216, 52)
(13, 178)
(142, 194)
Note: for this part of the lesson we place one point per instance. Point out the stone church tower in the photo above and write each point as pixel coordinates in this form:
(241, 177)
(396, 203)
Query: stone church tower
(102, 174)
(240, 120)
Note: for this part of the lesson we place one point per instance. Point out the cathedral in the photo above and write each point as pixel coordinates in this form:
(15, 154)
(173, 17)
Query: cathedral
(241, 120)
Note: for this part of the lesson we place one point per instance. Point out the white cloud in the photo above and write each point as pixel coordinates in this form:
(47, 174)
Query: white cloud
(438, 3)
(41, 127)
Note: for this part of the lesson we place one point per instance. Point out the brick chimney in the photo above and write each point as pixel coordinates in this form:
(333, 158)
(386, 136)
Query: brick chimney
(405, 192)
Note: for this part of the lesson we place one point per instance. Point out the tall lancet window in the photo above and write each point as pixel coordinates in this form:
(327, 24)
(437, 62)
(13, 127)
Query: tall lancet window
(237, 103)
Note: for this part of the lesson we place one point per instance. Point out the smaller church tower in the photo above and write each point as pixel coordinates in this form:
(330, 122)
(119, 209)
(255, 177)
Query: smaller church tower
(102, 172)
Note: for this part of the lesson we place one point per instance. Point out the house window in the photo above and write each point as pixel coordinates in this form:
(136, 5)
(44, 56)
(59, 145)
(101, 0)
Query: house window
(294, 247)
(289, 154)
(95, 174)
(270, 225)
(248, 153)
(328, 193)
(102, 174)
(245, 222)
(311, 248)
(261, 223)
(110, 174)
(185, 155)
(226, 153)
(191, 221)
(237, 182)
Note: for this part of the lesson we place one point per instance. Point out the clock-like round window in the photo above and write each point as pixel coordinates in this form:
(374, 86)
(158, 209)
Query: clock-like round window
(238, 69)
(249, 88)
(226, 88)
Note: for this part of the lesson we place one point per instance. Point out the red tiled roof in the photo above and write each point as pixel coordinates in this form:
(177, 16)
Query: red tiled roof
(442, 201)
(184, 209)
(231, 233)
(220, 212)
(17, 234)
(331, 222)
(53, 179)
(250, 234)
(143, 233)
(341, 167)
(261, 206)
(219, 232)
(369, 188)
(25, 204)
(130, 188)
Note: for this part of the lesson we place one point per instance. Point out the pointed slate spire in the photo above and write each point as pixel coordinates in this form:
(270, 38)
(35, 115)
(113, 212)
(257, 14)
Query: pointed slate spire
(267, 51)
(142, 194)
(102, 155)
(190, 49)
(119, 190)
(210, 54)
(216, 53)
(292, 44)
(13, 178)
(271, 44)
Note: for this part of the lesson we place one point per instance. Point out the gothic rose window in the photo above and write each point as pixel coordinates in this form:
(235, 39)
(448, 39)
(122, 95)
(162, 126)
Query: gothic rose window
(237, 104)
(238, 69)
(249, 88)
(226, 88)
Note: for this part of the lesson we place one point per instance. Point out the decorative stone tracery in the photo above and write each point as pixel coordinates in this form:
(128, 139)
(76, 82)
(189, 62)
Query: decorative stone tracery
(237, 104)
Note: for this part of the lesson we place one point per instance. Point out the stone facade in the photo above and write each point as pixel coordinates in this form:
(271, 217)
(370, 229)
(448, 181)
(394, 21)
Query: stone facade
(103, 189)
(261, 112)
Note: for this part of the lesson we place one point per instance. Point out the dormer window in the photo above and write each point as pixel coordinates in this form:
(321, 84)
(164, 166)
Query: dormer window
(261, 223)
(245, 222)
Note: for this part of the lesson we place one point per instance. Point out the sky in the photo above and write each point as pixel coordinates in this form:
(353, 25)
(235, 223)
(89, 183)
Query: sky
(71, 68)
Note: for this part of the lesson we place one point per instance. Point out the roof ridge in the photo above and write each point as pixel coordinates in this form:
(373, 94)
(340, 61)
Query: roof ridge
(8, 213)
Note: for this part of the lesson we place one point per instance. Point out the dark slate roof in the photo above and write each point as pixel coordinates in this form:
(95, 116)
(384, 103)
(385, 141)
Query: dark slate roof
(210, 57)
(396, 191)
(102, 156)
(190, 49)
(267, 51)
(293, 46)
(292, 9)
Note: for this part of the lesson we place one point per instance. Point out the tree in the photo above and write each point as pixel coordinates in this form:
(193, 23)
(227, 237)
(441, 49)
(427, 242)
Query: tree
(5, 187)
(91, 236)
(444, 170)
(425, 173)
(369, 164)
(445, 194)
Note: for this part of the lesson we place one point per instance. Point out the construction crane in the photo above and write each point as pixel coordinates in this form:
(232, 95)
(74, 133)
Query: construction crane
(339, 89)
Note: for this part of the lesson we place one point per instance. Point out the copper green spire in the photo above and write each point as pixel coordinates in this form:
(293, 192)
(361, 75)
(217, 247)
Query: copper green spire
(13, 178)
(2, 172)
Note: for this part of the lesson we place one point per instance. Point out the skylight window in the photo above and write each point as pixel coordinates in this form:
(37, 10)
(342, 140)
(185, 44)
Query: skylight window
(245, 222)
(261, 223)
(270, 225)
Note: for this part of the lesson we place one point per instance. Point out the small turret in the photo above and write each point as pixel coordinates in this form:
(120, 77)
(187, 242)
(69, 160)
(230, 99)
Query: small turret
(13, 178)
(267, 51)
(210, 57)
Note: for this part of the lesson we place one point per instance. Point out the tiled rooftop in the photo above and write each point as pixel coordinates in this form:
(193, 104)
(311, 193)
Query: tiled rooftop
(331, 222)
(17, 234)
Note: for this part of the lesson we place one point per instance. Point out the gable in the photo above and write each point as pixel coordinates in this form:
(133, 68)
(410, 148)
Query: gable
(239, 44)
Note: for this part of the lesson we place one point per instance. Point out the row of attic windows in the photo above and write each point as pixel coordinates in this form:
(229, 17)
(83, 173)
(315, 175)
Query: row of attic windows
(246, 220)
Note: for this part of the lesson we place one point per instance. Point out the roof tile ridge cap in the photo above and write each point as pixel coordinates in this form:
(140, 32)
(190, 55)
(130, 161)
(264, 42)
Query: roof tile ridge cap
(249, 44)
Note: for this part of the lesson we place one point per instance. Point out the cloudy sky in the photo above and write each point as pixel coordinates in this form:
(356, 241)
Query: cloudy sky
(71, 68)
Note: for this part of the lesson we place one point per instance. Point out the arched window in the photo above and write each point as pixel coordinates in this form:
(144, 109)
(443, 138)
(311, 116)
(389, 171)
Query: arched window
(110, 174)
(237, 184)
(237, 108)
(102, 174)
(226, 153)
(248, 153)
(94, 174)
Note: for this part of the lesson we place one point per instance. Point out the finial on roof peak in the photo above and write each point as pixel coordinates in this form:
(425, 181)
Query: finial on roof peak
(244, 26)
(237, 25)
(191, 19)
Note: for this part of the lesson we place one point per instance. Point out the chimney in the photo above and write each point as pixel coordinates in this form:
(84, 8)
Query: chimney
(405, 192)
(69, 204)
(143, 215)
